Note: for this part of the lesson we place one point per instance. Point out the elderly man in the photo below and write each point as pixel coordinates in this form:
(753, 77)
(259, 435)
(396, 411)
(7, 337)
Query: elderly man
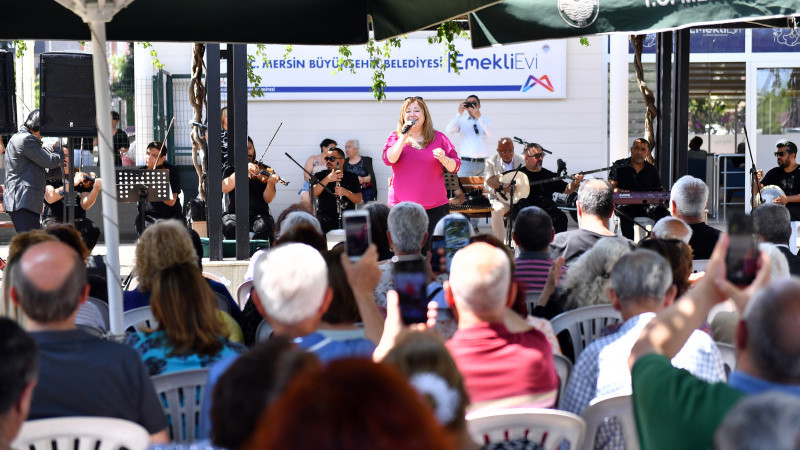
(774, 226)
(18, 374)
(474, 128)
(80, 375)
(640, 287)
(672, 228)
(26, 161)
(675, 409)
(595, 206)
(786, 176)
(500, 367)
(687, 202)
(343, 184)
(496, 165)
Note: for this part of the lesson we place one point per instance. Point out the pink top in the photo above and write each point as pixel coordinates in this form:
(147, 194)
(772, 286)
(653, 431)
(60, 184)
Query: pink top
(417, 176)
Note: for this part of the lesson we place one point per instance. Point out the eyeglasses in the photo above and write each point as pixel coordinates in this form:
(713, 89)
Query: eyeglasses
(331, 158)
(780, 153)
(413, 98)
(536, 155)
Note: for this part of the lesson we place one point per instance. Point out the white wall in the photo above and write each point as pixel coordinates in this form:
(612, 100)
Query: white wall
(573, 128)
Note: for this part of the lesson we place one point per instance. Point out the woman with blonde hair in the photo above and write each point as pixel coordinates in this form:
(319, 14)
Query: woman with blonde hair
(419, 155)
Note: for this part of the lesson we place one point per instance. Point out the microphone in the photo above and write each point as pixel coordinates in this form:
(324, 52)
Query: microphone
(408, 126)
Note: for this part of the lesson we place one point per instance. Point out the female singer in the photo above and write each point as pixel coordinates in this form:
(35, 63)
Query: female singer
(417, 153)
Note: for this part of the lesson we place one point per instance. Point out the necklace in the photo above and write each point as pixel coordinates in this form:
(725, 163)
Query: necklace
(413, 142)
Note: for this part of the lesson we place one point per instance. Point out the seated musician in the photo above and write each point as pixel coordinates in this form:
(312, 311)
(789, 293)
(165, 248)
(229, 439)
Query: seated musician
(85, 193)
(786, 176)
(348, 193)
(496, 165)
(169, 209)
(260, 194)
(635, 174)
(541, 194)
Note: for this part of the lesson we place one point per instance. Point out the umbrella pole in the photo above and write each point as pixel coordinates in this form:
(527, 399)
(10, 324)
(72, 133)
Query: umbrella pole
(107, 173)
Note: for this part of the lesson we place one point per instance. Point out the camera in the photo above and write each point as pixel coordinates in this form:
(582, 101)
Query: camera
(470, 104)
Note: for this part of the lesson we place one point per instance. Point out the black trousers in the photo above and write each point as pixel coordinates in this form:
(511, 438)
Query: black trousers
(24, 220)
(261, 226)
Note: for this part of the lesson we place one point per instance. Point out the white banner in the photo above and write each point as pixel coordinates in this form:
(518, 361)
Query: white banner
(533, 70)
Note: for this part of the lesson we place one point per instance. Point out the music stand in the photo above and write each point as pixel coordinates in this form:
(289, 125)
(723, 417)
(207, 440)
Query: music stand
(142, 185)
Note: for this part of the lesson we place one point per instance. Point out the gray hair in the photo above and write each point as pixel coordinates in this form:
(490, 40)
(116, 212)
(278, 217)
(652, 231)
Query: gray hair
(766, 420)
(355, 143)
(587, 278)
(596, 197)
(773, 339)
(641, 276)
(298, 217)
(690, 195)
(672, 228)
(779, 265)
(773, 223)
(291, 281)
(407, 224)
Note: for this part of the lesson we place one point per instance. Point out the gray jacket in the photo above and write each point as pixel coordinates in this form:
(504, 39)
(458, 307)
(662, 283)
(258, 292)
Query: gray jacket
(26, 161)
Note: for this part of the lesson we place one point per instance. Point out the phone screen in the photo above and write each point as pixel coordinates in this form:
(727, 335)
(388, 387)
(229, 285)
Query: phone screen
(742, 258)
(356, 229)
(437, 242)
(456, 237)
(410, 282)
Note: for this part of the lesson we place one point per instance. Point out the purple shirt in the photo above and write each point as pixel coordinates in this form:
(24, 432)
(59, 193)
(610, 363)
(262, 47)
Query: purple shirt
(417, 176)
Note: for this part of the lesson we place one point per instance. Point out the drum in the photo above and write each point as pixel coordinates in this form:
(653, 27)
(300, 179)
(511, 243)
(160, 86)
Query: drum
(768, 194)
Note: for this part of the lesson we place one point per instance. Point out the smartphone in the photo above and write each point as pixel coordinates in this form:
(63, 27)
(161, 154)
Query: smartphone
(742, 258)
(437, 242)
(456, 237)
(411, 282)
(356, 233)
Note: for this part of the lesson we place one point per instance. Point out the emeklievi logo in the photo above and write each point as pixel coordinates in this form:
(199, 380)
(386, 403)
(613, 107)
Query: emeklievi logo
(532, 81)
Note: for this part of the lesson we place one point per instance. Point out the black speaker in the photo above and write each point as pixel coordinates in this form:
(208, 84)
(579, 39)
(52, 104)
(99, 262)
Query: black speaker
(8, 100)
(66, 100)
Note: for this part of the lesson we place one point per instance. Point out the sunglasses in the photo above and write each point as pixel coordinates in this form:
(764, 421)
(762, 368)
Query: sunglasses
(475, 127)
(413, 98)
(331, 158)
(536, 155)
(780, 153)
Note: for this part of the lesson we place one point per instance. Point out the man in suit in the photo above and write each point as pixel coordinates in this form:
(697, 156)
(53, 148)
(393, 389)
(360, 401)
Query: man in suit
(496, 165)
(26, 161)
(774, 226)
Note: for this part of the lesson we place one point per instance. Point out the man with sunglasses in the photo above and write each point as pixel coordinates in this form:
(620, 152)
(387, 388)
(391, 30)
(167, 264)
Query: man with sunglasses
(348, 190)
(541, 195)
(786, 176)
(474, 128)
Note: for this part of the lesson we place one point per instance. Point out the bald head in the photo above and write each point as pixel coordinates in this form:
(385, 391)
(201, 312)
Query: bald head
(505, 148)
(480, 277)
(49, 281)
(672, 228)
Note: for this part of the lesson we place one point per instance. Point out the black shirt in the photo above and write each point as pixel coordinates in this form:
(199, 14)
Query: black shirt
(160, 210)
(120, 141)
(789, 183)
(626, 176)
(256, 191)
(327, 202)
(541, 195)
(703, 240)
(56, 209)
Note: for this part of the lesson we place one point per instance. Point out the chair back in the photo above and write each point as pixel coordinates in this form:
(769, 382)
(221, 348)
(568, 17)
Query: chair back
(68, 433)
(141, 319)
(563, 369)
(549, 427)
(728, 353)
(585, 324)
(243, 293)
(181, 394)
(102, 307)
(532, 299)
(601, 410)
(264, 331)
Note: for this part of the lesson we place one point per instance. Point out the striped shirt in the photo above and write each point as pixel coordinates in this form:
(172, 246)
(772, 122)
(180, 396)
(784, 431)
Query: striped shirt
(532, 268)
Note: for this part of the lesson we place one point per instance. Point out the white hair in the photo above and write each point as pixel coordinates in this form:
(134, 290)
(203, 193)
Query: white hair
(480, 276)
(690, 195)
(672, 228)
(291, 280)
(355, 143)
(407, 224)
(297, 217)
(779, 266)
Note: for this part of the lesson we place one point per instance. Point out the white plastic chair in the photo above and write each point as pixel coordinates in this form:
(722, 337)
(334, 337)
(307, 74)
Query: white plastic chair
(181, 394)
(549, 427)
(728, 353)
(79, 433)
(264, 331)
(601, 409)
(564, 369)
(532, 299)
(585, 324)
(141, 319)
(243, 293)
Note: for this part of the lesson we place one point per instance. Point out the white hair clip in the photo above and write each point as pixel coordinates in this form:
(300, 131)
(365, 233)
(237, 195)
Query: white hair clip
(445, 398)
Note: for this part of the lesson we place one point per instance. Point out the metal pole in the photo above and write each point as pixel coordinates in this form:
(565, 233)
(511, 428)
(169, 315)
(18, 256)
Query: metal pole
(214, 198)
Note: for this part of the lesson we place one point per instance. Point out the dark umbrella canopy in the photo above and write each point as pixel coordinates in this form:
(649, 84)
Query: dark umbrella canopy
(530, 20)
(312, 22)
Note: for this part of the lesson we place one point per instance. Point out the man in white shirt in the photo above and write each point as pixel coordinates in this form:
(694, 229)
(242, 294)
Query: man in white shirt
(503, 161)
(475, 128)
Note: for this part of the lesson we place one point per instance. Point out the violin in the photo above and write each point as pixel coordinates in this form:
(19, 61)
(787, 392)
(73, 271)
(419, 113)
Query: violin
(265, 172)
(87, 180)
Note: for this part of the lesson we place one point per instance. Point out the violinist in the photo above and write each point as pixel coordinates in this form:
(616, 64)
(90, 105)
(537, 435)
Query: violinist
(261, 187)
(170, 209)
(87, 188)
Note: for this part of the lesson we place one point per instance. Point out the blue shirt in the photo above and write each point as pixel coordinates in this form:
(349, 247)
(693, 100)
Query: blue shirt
(154, 349)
